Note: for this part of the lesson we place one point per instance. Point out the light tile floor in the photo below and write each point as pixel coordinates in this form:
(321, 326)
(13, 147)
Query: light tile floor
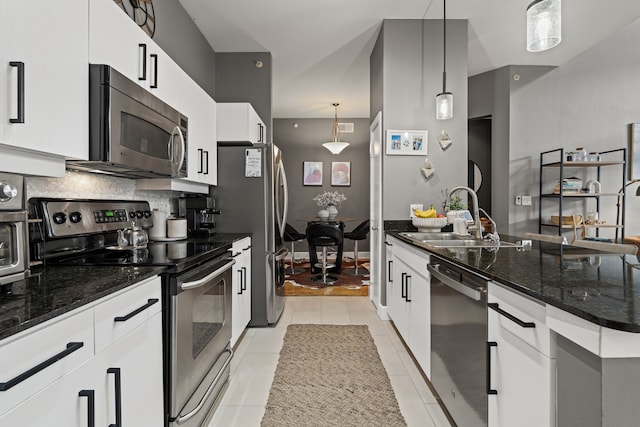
(256, 358)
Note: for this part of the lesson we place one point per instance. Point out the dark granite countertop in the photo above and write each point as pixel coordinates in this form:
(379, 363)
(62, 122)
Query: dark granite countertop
(600, 287)
(59, 289)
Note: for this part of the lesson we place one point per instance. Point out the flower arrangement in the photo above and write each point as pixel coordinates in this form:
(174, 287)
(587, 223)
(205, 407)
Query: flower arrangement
(328, 198)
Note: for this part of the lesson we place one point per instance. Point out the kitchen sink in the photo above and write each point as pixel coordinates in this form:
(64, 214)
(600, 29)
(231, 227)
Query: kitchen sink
(451, 240)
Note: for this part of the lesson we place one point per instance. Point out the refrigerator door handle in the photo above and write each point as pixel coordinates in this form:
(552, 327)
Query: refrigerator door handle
(281, 177)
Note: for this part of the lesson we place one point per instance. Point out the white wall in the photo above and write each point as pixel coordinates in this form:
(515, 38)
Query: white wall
(588, 102)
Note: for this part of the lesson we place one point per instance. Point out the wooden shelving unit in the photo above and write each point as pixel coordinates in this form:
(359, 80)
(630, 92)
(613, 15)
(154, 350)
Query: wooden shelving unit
(613, 158)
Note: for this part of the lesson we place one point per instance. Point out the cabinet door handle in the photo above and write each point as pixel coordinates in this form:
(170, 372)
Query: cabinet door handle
(390, 276)
(154, 59)
(494, 306)
(142, 66)
(91, 406)
(118, 395)
(259, 132)
(201, 154)
(71, 347)
(408, 282)
(489, 345)
(244, 280)
(206, 153)
(402, 291)
(20, 66)
(240, 279)
(149, 303)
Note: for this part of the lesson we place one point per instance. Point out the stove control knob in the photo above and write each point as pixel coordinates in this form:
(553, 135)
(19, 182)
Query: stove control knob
(75, 217)
(147, 214)
(7, 192)
(59, 218)
(139, 214)
(132, 214)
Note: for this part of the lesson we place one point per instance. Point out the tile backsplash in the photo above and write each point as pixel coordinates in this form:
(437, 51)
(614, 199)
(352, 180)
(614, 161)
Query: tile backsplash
(83, 185)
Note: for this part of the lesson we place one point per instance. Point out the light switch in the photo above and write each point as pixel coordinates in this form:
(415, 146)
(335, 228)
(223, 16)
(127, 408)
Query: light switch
(518, 200)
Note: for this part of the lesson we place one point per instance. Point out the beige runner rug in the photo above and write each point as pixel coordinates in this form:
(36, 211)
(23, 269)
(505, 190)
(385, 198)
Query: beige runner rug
(331, 375)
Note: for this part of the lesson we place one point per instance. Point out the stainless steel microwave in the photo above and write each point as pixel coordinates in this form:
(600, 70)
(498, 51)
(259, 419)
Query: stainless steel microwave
(132, 133)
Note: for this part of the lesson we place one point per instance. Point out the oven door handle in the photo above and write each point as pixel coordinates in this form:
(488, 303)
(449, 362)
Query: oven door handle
(181, 419)
(205, 279)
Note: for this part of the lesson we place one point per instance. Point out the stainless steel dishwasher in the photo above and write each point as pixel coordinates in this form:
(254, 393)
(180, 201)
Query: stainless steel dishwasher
(459, 341)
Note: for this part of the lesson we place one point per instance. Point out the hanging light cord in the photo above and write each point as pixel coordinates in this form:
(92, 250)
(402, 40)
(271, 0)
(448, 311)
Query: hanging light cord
(444, 47)
(335, 132)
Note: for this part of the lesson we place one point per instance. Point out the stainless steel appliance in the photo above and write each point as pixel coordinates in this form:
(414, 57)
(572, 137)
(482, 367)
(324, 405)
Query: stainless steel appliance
(201, 213)
(132, 133)
(459, 341)
(196, 293)
(14, 264)
(252, 195)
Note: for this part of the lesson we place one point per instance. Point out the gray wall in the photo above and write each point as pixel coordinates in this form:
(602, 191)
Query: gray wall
(177, 35)
(407, 60)
(305, 143)
(239, 80)
(589, 101)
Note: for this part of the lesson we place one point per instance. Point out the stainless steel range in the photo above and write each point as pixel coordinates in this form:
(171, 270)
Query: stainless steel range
(196, 292)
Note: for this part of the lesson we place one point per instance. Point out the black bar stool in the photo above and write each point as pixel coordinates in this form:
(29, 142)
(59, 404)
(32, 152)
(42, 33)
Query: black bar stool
(292, 235)
(324, 235)
(358, 233)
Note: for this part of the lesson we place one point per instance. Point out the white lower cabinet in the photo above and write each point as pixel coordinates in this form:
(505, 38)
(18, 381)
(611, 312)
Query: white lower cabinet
(408, 300)
(119, 385)
(241, 301)
(521, 361)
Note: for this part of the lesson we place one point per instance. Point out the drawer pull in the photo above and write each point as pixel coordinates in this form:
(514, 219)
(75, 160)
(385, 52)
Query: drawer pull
(149, 303)
(118, 393)
(91, 406)
(402, 292)
(71, 347)
(244, 278)
(389, 271)
(494, 306)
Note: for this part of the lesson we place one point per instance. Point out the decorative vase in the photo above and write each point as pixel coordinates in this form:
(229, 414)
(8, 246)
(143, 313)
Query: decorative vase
(333, 211)
(323, 214)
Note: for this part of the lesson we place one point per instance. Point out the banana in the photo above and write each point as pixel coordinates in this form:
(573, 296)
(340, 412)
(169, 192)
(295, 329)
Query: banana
(429, 213)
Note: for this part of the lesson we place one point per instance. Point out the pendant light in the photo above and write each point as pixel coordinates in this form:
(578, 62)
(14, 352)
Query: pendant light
(444, 100)
(335, 145)
(543, 25)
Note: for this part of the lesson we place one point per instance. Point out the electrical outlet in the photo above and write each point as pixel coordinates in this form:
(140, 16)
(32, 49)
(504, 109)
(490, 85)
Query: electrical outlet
(526, 200)
(412, 206)
(518, 200)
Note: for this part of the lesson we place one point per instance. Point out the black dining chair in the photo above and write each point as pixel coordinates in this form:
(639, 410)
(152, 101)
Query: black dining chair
(292, 235)
(358, 233)
(324, 235)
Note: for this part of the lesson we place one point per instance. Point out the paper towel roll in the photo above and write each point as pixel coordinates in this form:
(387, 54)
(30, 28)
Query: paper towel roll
(176, 227)
(159, 228)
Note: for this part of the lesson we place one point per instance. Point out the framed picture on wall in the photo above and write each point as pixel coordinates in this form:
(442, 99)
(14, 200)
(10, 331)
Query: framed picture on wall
(634, 152)
(312, 173)
(341, 174)
(407, 142)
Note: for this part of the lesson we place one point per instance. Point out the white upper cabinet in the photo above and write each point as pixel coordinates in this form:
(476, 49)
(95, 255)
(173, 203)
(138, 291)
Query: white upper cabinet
(44, 78)
(115, 40)
(239, 122)
(202, 146)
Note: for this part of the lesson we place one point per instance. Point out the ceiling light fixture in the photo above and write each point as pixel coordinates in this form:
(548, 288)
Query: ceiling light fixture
(543, 25)
(335, 145)
(444, 100)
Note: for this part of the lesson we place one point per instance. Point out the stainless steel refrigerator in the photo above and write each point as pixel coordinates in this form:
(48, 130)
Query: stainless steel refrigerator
(252, 197)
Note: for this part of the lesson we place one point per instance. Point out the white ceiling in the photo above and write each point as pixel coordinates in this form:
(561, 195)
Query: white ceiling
(321, 49)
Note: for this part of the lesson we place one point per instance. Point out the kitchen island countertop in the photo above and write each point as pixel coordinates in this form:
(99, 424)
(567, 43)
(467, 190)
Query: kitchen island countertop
(602, 288)
(59, 289)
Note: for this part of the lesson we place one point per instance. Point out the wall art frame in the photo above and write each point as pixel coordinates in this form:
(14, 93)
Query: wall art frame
(312, 173)
(341, 174)
(406, 142)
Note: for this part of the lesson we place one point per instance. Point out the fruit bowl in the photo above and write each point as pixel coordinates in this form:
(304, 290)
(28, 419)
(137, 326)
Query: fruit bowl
(429, 224)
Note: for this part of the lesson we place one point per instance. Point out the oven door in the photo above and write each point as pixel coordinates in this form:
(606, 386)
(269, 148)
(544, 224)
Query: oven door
(201, 332)
(12, 246)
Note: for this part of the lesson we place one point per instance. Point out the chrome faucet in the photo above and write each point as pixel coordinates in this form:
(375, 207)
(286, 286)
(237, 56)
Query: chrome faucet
(476, 214)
